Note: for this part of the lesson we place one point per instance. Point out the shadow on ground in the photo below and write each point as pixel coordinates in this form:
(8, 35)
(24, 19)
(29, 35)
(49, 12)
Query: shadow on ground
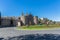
(6, 26)
(35, 37)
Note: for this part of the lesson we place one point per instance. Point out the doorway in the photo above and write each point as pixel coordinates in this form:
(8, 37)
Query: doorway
(11, 22)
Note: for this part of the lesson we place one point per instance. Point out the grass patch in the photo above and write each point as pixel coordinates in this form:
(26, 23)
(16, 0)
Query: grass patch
(38, 27)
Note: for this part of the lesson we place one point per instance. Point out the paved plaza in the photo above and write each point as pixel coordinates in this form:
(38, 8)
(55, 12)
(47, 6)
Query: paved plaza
(12, 31)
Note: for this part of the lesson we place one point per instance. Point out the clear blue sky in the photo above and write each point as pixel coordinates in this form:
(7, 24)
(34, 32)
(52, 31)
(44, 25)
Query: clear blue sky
(41, 8)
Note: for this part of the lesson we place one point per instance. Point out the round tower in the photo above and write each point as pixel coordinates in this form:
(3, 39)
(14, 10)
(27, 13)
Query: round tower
(35, 19)
(23, 18)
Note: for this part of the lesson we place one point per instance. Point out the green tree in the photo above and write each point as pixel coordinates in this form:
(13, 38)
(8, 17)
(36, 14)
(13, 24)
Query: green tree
(54, 22)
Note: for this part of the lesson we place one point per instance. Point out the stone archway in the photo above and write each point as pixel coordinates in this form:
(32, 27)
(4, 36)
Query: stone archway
(11, 22)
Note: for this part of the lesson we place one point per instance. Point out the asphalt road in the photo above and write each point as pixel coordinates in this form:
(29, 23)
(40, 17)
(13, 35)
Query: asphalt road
(11, 32)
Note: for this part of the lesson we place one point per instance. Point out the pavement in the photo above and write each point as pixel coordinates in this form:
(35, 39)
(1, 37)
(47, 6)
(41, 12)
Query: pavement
(12, 31)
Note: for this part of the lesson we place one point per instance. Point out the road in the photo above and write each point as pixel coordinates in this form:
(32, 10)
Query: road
(11, 32)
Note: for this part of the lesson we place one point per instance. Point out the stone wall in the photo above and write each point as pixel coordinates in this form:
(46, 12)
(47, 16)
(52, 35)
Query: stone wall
(15, 22)
(5, 22)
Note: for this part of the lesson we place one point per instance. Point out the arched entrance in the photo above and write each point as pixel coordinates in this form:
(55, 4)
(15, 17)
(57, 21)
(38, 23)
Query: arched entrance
(11, 22)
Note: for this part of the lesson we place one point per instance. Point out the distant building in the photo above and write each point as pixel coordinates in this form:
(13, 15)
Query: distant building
(44, 20)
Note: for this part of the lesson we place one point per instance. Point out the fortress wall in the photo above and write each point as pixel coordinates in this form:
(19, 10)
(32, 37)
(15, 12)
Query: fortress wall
(31, 20)
(5, 22)
(15, 22)
(26, 20)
